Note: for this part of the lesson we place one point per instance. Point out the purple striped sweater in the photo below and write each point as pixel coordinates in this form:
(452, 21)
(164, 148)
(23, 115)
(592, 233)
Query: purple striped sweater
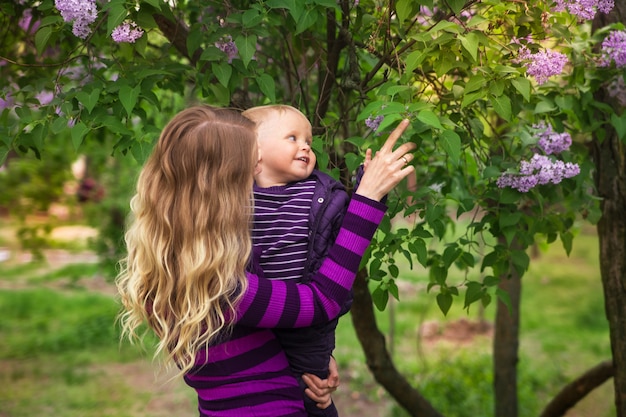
(247, 374)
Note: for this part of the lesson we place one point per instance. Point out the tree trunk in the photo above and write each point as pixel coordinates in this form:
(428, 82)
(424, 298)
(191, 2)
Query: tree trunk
(610, 158)
(378, 359)
(505, 348)
(609, 154)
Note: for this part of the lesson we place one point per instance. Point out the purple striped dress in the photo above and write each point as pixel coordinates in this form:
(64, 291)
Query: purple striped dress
(247, 373)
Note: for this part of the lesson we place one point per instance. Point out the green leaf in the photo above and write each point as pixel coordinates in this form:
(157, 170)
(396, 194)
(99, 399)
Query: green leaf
(504, 297)
(470, 43)
(327, 3)
(117, 14)
(418, 247)
(128, 96)
(246, 45)
(154, 3)
(451, 143)
(89, 100)
(544, 107)
(444, 301)
(222, 72)
(456, 5)
(429, 118)
(267, 86)
(522, 85)
(520, 260)
(509, 196)
(405, 9)
(446, 26)
(502, 106)
(472, 97)
(307, 19)
(619, 123)
(474, 293)
(415, 59)
(393, 270)
(509, 219)
(59, 124)
(78, 133)
(476, 82)
(251, 18)
(380, 298)
(41, 38)
(568, 239)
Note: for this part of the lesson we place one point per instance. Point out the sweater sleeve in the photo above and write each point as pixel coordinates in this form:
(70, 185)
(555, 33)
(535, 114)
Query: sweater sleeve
(272, 303)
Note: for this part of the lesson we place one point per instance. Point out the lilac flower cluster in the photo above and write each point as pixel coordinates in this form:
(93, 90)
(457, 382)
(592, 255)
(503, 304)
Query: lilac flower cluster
(81, 12)
(541, 169)
(127, 32)
(614, 49)
(228, 46)
(584, 9)
(374, 123)
(543, 64)
(552, 142)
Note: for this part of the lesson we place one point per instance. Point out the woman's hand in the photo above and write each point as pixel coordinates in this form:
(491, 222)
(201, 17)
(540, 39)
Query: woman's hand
(319, 390)
(388, 167)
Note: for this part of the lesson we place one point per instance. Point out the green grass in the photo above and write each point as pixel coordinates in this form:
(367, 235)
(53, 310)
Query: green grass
(60, 354)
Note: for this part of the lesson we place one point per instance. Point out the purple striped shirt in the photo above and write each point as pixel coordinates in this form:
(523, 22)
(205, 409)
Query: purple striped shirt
(248, 374)
(281, 228)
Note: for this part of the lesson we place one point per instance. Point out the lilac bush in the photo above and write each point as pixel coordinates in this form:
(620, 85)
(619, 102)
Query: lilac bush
(543, 64)
(228, 46)
(127, 32)
(374, 123)
(584, 9)
(614, 49)
(542, 169)
(81, 12)
(552, 142)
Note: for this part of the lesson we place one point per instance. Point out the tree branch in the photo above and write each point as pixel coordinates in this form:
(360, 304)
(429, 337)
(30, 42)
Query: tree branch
(578, 389)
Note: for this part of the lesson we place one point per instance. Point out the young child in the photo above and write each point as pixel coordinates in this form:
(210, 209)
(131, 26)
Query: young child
(298, 213)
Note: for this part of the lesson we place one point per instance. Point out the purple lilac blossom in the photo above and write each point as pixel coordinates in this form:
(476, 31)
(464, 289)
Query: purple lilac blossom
(543, 64)
(44, 97)
(81, 12)
(228, 47)
(374, 123)
(614, 49)
(25, 22)
(552, 142)
(127, 32)
(584, 9)
(540, 170)
(8, 102)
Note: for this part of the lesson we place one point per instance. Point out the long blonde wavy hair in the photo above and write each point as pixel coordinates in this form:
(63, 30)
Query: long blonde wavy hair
(188, 239)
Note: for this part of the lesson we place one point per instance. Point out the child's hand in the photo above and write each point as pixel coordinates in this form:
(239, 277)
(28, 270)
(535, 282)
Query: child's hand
(319, 390)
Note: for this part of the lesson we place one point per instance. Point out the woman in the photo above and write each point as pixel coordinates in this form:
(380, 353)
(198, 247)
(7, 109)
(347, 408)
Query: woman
(189, 248)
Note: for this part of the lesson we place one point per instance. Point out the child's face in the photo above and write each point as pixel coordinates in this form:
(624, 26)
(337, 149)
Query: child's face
(285, 149)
